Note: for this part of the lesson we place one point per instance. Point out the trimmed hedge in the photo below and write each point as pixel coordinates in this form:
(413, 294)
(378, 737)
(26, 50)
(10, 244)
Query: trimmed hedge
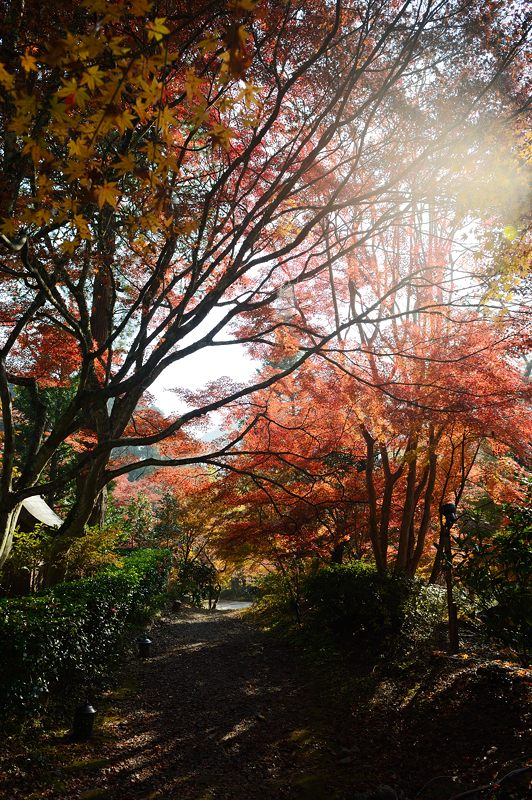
(70, 636)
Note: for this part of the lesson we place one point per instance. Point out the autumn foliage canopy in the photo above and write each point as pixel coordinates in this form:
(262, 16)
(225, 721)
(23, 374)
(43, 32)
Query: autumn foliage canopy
(292, 176)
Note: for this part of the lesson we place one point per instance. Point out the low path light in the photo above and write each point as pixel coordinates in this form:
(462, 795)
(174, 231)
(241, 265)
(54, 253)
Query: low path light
(83, 722)
(144, 644)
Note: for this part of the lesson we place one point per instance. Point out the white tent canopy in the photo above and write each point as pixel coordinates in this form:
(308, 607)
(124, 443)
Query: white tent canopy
(41, 511)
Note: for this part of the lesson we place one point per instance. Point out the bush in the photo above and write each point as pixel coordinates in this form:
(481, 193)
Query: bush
(30, 549)
(354, 600)
(497, 569)
(279, 594)
(71, 636)
(424, 610)
(89, 553)
(197, 579)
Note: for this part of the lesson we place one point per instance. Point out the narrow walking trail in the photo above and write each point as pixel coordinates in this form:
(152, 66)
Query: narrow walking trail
(221, 714)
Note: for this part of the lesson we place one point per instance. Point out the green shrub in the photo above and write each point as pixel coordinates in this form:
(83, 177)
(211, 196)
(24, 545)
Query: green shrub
(425, 609)
(497, 569)
(90, 553)
(354, 600)
(279, 595)
(71, 636)
(30, 548)
(196, 579)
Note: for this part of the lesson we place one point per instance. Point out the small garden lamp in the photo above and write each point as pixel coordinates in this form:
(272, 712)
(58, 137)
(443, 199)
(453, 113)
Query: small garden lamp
(83, 722)
(144, 644)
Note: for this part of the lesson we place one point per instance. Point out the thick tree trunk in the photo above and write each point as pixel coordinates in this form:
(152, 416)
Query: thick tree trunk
(8, 523)
(99, 510)
(90, 487)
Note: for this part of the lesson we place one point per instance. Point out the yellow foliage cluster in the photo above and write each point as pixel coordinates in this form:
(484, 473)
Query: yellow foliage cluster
(107, 122)
(89, 553)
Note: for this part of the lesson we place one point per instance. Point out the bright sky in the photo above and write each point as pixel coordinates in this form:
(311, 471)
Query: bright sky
(200, 369)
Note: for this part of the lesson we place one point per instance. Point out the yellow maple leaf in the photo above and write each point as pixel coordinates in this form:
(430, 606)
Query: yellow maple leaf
(139, 8)
(166, 119)
(90, 47)
(34, 150)
(125, 164)
(41, 217)
(124, 120)
(199, 115)
(6, 79)
(210, 43)
(152, 90)
(93, 77)
(8, 227)
(29, 62)
(69, 246)
(221, 135)
(157, 29)
(96, 6)
(249, 93)
(110, 11)
(141, 107)
(18, 125)
(69, 87)
(69, 204)
(107, 193)
(79, 147)
(189, 227)
(151, 222)
(74, 170)
(73, 93)
(59, 112)
(81, 224)
(26, 104)
(118, 47)
(192, 84)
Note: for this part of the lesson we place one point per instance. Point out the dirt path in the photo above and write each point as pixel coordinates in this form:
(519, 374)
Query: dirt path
(224, 712)
(221, 715)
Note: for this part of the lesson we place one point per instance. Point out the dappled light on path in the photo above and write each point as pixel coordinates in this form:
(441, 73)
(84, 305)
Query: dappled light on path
(215, 720)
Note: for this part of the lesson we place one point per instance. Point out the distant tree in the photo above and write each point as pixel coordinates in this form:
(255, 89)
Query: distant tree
(167, 528)
(137, 522)
(361, 448)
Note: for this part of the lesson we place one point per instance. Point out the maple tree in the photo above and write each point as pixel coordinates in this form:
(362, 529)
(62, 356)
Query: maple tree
(181, 519)
(177, 512)
(179, 177)
(361, 449)
(332, 477)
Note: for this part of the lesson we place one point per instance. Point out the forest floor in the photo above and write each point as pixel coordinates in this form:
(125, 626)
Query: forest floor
(225, 711)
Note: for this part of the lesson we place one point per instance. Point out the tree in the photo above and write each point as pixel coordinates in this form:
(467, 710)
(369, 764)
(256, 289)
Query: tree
(181, 176)
(394, 421)
(136, 521)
